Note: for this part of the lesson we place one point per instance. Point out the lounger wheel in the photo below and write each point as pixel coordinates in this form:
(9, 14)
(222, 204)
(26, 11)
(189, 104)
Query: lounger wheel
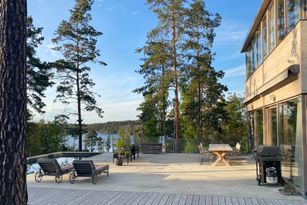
(259, 182)
(72, 178)
(94, 179)
(58, 179)
(38, 176)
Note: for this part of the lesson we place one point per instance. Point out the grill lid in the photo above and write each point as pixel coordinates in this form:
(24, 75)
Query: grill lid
(267, 151)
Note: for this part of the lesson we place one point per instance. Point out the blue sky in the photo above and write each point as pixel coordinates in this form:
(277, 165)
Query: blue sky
(124, 24)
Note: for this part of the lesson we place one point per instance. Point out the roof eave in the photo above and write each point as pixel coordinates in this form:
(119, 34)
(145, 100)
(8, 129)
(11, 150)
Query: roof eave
(265, 4)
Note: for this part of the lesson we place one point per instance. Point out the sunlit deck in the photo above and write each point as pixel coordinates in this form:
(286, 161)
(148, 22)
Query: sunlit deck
(162, 179)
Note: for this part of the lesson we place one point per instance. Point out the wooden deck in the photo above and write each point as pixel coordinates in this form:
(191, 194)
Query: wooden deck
(54, 196)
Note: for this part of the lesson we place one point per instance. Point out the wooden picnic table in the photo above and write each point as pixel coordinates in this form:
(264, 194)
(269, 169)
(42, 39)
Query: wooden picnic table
(220, 150)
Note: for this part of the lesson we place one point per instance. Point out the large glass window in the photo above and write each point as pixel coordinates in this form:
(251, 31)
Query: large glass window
(258, 48)
(280, 20)
(291, 141)
(253, 57)
(264, 37)
(271, 25)
(259, 127)
(248, 63)
(293, 12)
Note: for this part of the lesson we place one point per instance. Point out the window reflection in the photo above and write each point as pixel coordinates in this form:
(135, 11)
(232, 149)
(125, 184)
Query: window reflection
(253, 57)
(248, 64)
(273, 126)
(264, 37)
(259, 127)
(290, 140)
(258, 47)
(271, 23)
(280, 20)
(293, 13)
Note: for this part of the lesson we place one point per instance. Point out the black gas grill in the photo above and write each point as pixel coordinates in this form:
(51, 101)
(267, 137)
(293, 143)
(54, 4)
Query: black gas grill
(268, 165)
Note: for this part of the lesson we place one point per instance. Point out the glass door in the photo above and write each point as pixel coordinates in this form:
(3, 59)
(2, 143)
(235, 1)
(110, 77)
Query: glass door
(272, 135)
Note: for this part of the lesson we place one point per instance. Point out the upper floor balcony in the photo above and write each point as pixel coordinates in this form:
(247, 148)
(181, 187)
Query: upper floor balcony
(274, 44)
(274, 21)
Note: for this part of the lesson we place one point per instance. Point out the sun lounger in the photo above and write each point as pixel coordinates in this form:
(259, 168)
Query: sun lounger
(87, 168)
(51, 167)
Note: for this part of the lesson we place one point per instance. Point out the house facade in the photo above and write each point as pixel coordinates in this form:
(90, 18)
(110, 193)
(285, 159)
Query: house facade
(276, 84)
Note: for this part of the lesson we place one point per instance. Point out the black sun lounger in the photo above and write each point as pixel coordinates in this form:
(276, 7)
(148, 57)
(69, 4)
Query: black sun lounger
(51, 167)
(87, 168)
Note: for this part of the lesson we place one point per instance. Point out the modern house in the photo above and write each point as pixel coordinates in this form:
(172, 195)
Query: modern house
(276, 84)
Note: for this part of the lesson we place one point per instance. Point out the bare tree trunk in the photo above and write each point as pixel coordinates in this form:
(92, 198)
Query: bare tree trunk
(79, 112)
(13, 187)
(177, 117)
(164, 103)
(199, 115)
(79, 98)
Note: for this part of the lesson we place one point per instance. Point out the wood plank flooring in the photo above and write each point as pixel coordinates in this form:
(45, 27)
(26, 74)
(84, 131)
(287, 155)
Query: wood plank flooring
(55, 196)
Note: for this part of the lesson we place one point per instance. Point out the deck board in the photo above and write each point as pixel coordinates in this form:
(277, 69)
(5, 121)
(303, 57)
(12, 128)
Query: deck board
(183, 199)
(209, 200)
(189, 200)
(170, 199)
(57, 196)
(158, 199)
(176, 200)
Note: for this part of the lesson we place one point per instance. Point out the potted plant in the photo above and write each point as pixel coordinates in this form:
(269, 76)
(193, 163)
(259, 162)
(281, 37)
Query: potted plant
(122, 148)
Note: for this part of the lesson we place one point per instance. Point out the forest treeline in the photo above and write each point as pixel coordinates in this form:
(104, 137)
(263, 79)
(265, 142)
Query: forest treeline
(114, 126)
(184, 99)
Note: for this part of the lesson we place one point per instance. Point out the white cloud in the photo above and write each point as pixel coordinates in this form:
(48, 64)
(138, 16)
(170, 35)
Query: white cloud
(234, 72)
(230, 57)
(231, 32)
(46, 52)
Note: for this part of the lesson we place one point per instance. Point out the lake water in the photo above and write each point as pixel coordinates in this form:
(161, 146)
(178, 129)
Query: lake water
(74, 143)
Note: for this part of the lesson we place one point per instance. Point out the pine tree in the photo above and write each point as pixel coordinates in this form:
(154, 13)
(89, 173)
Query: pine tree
(235, 126)
(170, 15)
(155, 70)
(38, 73)
(91, 139)
(77, 40)
(13, 98)
(202, 93)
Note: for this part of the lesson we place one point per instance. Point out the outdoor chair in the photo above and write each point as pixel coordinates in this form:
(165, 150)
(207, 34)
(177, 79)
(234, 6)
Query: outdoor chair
(51, 167)
(236, 156)
(134, 150)
(205, 154)
(236, 151)
(87, 168)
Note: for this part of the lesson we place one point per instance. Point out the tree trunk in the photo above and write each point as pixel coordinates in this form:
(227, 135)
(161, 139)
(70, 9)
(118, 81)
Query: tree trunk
(79, 97)
(79, 111)
(13, 187)
(164, 103)
(199, 114)
(177, 117)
